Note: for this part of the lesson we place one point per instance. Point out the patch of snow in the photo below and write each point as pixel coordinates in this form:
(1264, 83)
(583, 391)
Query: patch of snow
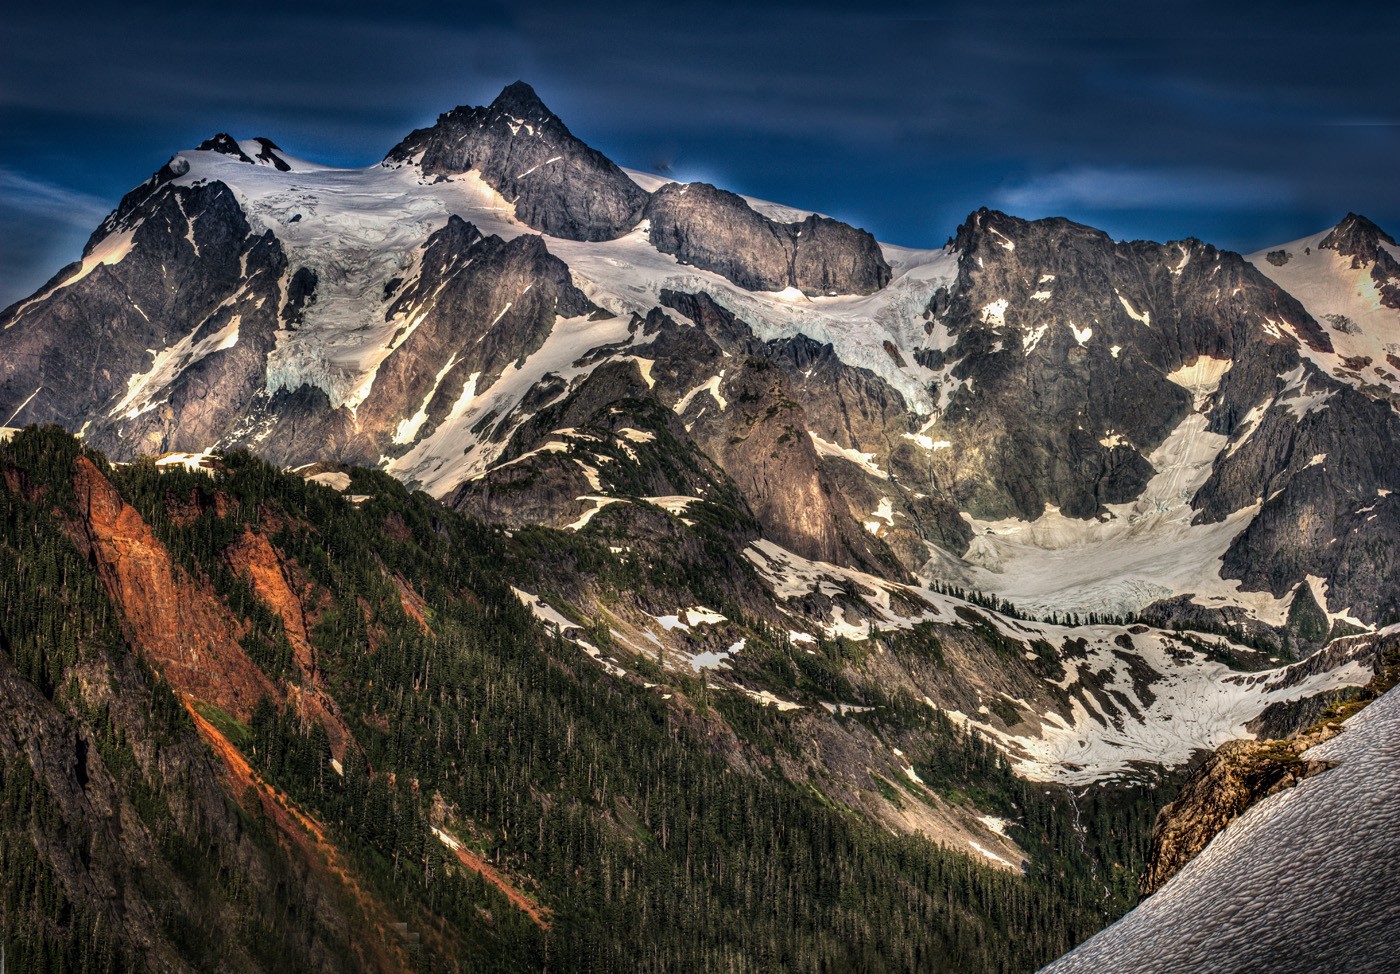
(542, 611)
(988, 853)
(335, 480)
(701, 616)
(866, 461)
(710, 385)
(1144, 317)
(598, 504)
(995, 312)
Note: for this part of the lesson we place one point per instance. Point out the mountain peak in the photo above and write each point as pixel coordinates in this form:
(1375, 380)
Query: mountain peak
(520, 149)
(225, 144)
(265, 151)
(521, 101)
(1356, 236)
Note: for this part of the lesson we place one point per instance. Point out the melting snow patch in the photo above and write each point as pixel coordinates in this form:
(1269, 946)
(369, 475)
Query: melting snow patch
(710, 385)
(335, 480)
(543, 612)
(987, 852)
(995, 313)
(842, 709)
(598, 504)
(199, 463)
(700, 616)
(997, 825)
(767, 698)
(928, 442)
(866, 461)
(1145, 317)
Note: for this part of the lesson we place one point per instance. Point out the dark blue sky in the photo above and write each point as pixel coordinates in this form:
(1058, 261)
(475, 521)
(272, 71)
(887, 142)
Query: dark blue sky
(1243, 124)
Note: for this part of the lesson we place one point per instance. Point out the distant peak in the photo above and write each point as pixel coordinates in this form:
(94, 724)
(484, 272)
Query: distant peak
(1356, 236)
(521, 101)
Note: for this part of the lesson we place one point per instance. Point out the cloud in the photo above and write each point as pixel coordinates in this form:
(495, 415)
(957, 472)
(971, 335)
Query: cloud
(36, 197)
(1102, 188)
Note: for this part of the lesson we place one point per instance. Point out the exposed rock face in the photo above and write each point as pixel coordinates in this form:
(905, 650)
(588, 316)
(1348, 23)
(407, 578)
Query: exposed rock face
(177, 622)
(1065, 359)
(608, 438)
(522, 150)
(775, 465)
(754, 421)
(719, 231)
(1062, 346)
(477, 304)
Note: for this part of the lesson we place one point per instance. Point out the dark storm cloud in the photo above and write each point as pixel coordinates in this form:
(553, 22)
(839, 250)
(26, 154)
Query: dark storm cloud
(1244, 125)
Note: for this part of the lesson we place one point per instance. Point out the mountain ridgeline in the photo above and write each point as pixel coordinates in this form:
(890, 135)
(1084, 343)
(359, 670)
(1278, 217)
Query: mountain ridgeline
(494, 558)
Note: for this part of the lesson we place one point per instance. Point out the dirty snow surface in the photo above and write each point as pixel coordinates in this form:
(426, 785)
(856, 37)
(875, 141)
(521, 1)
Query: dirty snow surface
(1307, 880)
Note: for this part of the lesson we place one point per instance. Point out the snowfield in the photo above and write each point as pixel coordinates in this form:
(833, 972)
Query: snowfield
(1190, 704)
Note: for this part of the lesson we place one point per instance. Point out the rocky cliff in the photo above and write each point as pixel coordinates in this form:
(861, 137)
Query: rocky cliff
(720, 232)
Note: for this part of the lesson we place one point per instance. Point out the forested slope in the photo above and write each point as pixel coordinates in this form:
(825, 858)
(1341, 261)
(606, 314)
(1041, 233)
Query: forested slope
(434, 781)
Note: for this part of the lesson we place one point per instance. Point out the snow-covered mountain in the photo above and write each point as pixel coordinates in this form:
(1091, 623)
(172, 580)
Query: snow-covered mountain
(502, 316)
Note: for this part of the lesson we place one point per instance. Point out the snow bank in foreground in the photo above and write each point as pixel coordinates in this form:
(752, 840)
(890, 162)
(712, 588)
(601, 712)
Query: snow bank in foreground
(1304, 881)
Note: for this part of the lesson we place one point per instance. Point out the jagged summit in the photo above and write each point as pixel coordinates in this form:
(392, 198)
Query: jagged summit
(222, 142)
(520, 100)
(522, 150)
(1356, 236)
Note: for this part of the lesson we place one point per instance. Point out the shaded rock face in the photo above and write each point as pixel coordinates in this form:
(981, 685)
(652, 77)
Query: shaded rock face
(719, 416)
(609, 437)
(718, 231)
(477, 305)
(1060, 343)
(1060, 357)
(267, 153)
(764, 445)
(522, 150)
(773, 395)
(1324, 479)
